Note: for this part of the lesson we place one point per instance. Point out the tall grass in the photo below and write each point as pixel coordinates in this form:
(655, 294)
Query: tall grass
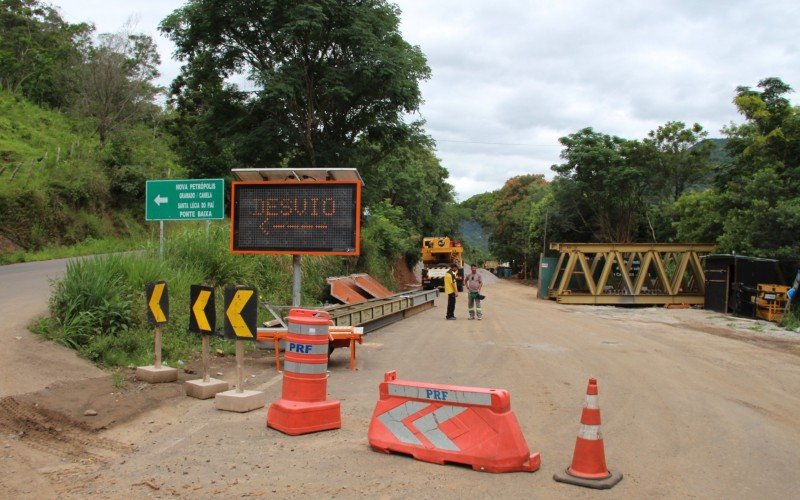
(99, 308)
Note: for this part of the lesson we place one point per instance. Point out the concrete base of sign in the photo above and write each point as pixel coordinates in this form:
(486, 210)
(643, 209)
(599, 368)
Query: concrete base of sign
(240, 402)
(153, 375)
(205, 390)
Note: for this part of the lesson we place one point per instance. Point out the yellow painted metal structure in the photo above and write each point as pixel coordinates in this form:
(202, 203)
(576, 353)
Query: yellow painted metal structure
(771, 302)
(629, 273)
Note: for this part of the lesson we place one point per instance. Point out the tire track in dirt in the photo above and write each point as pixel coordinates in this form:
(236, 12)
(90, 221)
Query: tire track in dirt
(54, 433)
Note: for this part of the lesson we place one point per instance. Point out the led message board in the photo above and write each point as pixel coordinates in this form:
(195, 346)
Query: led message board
(304, 217)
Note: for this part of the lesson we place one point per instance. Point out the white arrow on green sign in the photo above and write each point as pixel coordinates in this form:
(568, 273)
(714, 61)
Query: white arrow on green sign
(185, 199)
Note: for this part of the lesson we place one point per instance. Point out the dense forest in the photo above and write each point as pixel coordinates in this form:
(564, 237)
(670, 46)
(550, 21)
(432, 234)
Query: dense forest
(83, 125)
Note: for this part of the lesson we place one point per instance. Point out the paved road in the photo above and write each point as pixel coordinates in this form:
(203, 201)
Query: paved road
(29, 363)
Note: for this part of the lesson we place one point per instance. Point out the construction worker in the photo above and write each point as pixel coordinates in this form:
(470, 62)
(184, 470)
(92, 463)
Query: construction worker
(451, 289)
(474, 283)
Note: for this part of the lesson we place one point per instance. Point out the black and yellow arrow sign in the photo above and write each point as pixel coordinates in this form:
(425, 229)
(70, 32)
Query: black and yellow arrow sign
(202, 313)
(157, 302)
(241, 312)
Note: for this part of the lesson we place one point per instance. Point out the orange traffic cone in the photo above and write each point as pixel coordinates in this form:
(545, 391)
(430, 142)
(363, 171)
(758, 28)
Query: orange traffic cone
(589, 459)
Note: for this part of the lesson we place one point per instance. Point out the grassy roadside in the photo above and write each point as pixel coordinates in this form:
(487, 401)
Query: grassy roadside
(99, 308)
(89, 246)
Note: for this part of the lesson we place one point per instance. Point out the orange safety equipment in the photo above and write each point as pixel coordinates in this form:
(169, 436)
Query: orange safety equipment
(445, 423)
(304, 407)
(589, 459)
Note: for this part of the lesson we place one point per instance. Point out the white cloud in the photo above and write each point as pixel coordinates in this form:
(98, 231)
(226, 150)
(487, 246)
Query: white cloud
(528, 72)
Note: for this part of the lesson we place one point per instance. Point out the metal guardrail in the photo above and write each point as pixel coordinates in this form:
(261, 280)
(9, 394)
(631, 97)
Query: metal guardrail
(377, 313)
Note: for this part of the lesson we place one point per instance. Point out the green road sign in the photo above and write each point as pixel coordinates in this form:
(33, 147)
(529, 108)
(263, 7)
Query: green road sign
(185, 199)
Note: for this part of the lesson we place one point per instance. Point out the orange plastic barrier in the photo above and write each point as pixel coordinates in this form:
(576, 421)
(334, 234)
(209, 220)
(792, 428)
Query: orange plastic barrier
(444, 423)
(339, 336)
(589, 459)
(304, 407)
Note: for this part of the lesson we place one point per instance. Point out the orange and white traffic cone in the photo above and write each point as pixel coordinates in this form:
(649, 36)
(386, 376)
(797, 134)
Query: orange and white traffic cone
(589, 459)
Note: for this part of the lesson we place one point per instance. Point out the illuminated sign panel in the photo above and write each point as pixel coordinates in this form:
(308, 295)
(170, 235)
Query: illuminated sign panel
(304, 217)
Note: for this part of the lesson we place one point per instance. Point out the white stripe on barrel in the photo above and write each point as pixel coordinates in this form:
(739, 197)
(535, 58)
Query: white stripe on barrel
(307, 368)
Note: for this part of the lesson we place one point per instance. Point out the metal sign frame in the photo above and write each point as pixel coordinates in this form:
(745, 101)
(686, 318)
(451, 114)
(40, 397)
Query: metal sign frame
(356, 248)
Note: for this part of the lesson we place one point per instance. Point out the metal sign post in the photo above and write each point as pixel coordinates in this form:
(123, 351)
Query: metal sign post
(296, 281)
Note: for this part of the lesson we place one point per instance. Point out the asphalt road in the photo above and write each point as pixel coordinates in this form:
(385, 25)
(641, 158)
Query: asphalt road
(29, 363)
(686, 412)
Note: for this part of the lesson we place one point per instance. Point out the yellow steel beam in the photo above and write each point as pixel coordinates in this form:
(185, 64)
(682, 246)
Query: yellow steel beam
(582, 298)
(558, 270)
(624, 271)
(633, 247)
(644, 267)
(587, 273)
(607, 268)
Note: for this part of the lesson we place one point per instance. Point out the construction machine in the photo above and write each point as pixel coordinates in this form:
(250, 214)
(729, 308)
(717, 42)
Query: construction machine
(438, 254)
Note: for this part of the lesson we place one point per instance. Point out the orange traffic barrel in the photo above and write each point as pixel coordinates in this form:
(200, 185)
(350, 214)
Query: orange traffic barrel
(304, 407)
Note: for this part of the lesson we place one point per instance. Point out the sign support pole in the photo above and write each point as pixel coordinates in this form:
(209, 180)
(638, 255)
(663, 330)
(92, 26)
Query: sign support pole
(157, 297)
(206, 360)
(239, 366)
(157, 363)
(161, 239)
(296, 273)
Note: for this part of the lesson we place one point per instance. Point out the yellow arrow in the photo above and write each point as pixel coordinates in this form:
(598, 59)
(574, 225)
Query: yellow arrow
(234, 313)
(199, 310)
(155, 303)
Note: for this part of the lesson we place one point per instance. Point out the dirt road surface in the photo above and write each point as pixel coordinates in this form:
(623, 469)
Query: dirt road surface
(694, 404)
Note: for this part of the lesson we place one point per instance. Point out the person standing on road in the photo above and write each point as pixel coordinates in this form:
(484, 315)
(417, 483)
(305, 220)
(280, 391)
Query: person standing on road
(474, 285)
(451, 289)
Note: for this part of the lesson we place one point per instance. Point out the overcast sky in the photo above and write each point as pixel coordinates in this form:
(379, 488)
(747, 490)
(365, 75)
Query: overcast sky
(511, 77)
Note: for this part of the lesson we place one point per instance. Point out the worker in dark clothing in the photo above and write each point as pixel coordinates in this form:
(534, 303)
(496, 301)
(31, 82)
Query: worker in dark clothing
(451, 289)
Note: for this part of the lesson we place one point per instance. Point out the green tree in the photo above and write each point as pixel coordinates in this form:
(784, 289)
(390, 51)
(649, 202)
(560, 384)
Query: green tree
(760, 192)
(116, 82)
(511, 239)
(409, 176)
(599, 190)
(39, 51)
(680, 156)
(324, 75)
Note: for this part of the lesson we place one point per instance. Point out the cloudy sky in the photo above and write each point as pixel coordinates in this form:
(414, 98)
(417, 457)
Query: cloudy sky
(511, 77)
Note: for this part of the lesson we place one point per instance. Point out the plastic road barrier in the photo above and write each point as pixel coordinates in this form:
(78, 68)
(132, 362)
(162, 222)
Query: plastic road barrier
(444, 423)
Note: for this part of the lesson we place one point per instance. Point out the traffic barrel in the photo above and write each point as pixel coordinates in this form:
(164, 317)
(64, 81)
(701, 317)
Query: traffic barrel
(304, 407)
(589, 459)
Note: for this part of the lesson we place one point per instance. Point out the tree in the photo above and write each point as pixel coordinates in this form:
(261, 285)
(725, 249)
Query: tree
(680, 156)
(325, 75)
(760, 191)
(39, 51)
(116, 83)
(599, 190)
(409, 176)
(511, 238)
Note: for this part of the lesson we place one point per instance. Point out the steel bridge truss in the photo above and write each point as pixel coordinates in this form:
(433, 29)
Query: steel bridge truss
(629, 273)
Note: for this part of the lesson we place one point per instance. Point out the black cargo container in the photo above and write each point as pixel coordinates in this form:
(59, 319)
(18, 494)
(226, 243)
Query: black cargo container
(732, 280)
